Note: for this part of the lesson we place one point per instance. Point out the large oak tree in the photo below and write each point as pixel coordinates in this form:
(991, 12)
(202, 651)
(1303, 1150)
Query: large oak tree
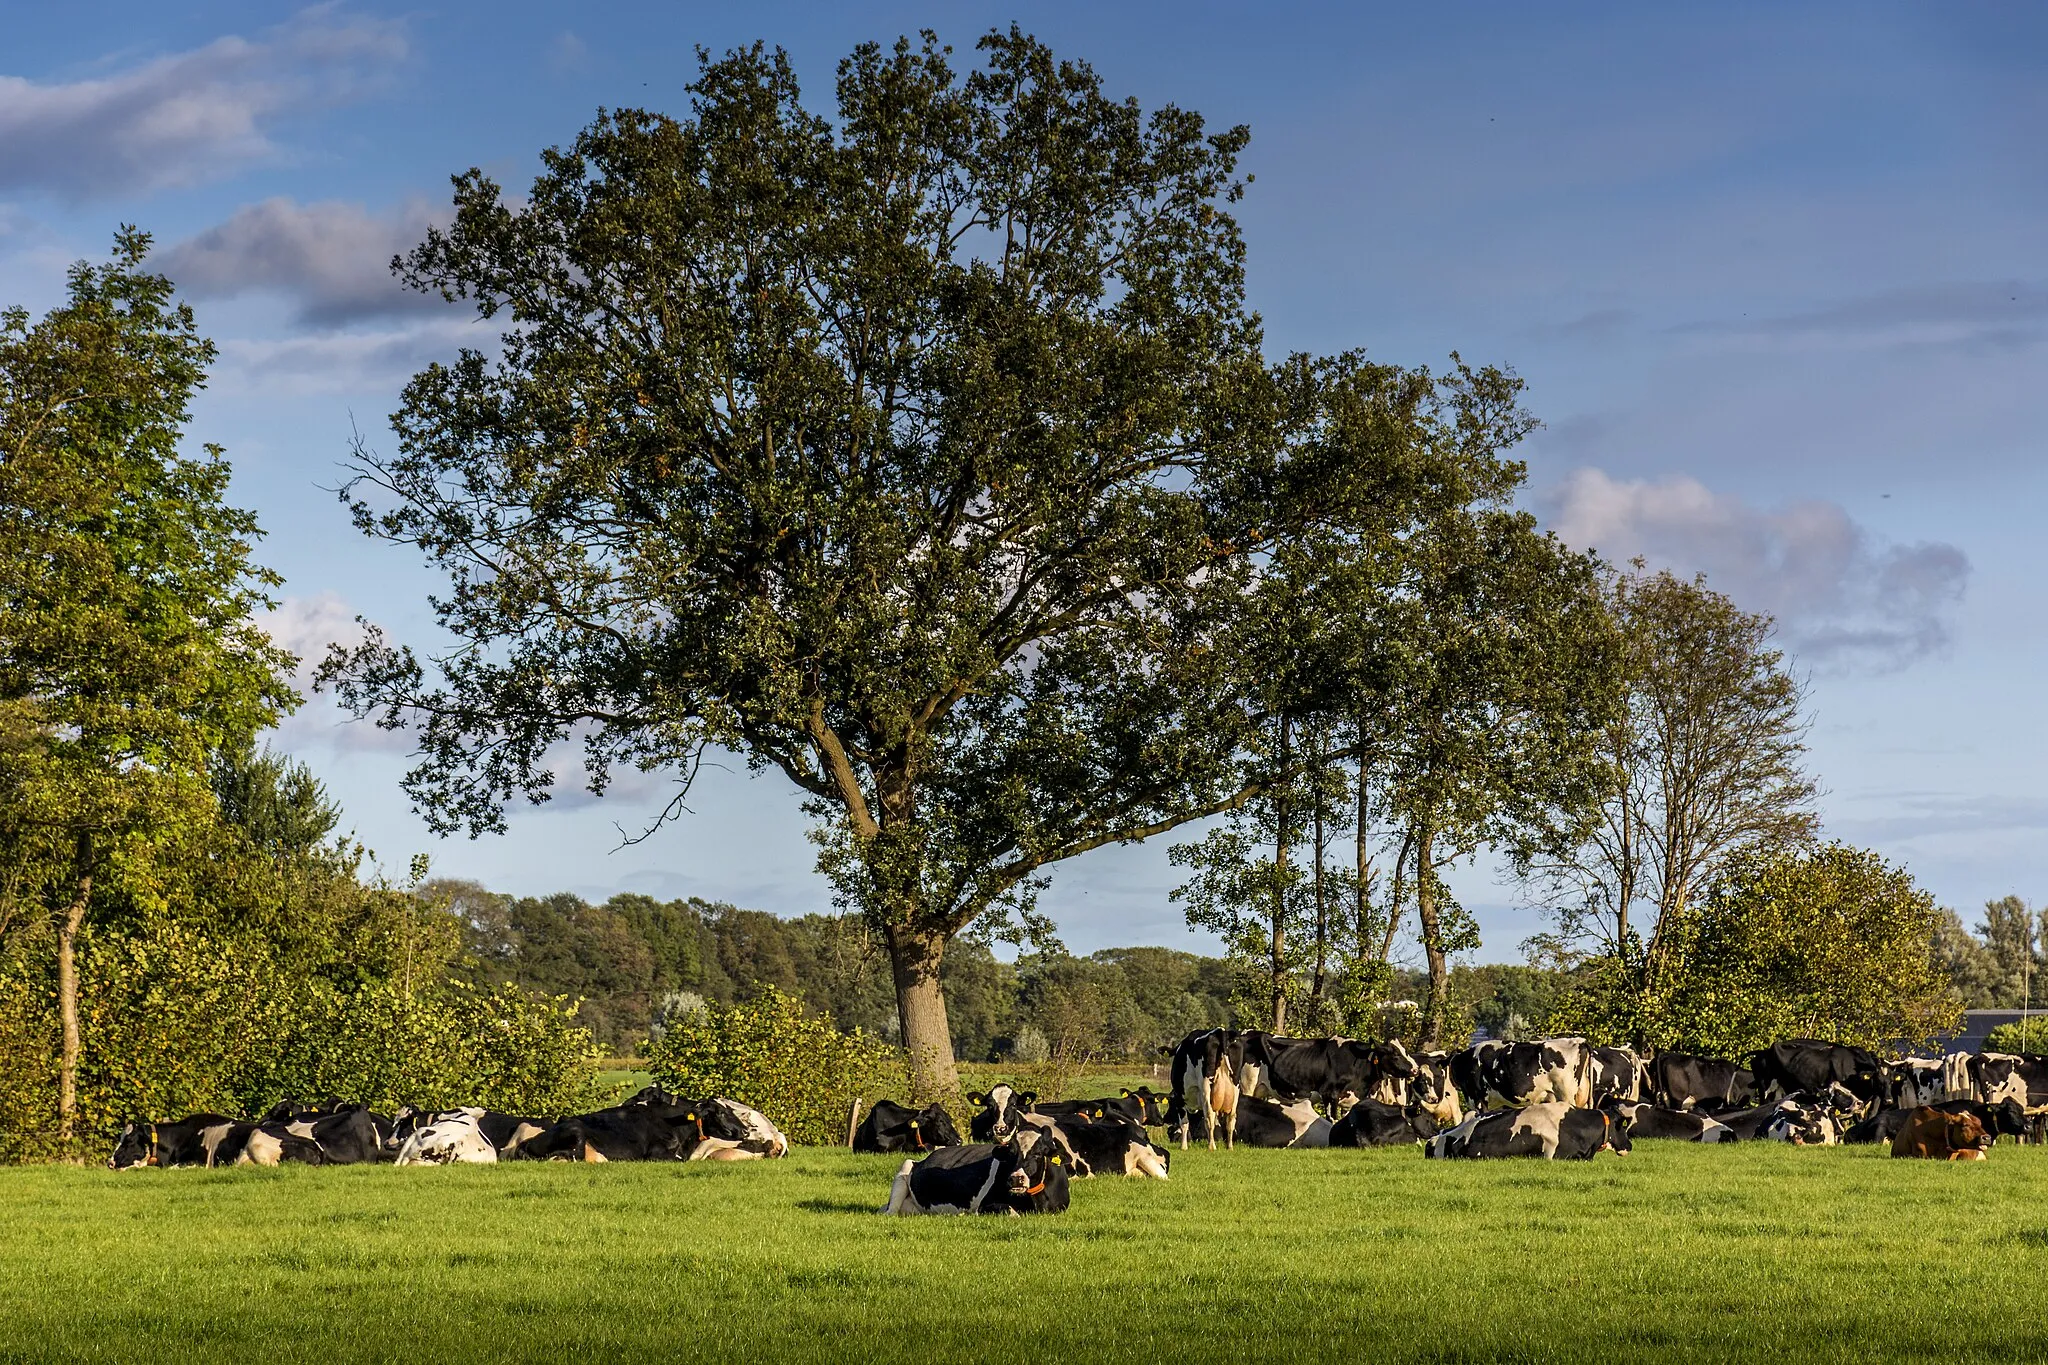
(922, 453)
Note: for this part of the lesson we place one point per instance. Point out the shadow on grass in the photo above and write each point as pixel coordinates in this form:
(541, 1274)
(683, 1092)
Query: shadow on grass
(834, 1206)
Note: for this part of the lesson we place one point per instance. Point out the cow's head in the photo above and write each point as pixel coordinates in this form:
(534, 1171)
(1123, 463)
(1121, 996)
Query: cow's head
(1150, 1111)
(934, 1127)
(1038, 1180)
(136, 1147)
(1965, 1133)
(1002, 1110)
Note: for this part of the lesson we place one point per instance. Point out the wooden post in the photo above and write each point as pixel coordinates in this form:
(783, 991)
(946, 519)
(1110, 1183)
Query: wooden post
(852, 1119)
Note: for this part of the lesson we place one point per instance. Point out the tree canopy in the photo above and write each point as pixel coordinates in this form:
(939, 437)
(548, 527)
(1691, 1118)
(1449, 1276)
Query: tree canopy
(923, 453)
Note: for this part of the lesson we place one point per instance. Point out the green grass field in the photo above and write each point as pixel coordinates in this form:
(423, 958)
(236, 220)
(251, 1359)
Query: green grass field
(1685, 1252)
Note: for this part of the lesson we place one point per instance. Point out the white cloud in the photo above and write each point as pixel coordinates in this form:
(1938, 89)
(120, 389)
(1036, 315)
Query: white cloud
(567, 55)
(342, 362)
(333, 259)
(190, 116)
(1841, 598)
(307, 626)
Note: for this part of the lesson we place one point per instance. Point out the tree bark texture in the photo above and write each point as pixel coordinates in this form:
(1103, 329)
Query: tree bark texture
(1432, 940)
(68, 925)
(921, 1009)
(1283, 816)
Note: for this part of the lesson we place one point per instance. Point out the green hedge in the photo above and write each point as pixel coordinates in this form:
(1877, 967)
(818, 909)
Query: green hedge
(768, 1052)
(174, 1020)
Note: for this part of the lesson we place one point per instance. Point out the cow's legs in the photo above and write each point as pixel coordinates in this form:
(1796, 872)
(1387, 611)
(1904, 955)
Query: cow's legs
(899, 1189)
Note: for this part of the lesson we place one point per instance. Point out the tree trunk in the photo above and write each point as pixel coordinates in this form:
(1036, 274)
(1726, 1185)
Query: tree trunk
(1432, 941)
(1315, 989)
(914, 959)
(68, 924)
(1283, 812)
(1396, 897)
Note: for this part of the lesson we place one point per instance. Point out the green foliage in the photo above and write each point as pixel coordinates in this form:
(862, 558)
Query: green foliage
(184, 1016)
(2027, 1035)
(770, 1053)
(1830, 943)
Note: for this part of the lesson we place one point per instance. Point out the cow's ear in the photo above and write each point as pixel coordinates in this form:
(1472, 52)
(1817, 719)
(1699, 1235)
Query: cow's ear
(976, 1097)
(1123, 1094)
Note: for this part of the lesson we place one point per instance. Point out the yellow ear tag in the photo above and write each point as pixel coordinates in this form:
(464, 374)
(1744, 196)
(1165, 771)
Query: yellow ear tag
(689, 1118)
(1055, 1161)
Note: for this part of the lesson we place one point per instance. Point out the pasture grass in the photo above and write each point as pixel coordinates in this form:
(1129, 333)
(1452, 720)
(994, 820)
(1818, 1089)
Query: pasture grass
(1676, 1252)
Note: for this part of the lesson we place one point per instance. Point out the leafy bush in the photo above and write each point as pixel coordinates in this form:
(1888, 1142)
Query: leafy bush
(178, 1020)
(768, 1052)
(2028, 1036)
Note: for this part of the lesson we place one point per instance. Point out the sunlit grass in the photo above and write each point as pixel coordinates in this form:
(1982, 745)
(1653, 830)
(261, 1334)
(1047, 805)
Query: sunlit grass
(1688, 1252)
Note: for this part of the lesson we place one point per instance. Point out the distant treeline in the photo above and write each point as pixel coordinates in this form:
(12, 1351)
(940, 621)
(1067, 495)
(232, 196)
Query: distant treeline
(635, 960)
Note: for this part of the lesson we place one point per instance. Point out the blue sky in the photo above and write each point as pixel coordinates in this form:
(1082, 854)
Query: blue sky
(1777, 277)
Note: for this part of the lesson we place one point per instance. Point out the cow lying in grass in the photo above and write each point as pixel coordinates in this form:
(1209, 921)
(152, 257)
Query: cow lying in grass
(343, 1136)
(1025, 1174)
(1551, 1131)
(1931, 1134)
(891, 1127)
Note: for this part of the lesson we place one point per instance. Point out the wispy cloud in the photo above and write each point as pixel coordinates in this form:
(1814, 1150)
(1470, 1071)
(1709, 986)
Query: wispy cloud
(342, 362)
(333, 260)
(1916, 815)
(1843, 600)
(1996, 314)
(190, 116)
(307, 626)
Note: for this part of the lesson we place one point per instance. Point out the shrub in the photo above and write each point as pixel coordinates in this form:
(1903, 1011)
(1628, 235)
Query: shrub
(177, 1020)
(2030, 1035)
(768, 1052)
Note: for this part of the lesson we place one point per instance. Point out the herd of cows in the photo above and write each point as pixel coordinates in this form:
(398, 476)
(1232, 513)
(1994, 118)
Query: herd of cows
(1554, 1098)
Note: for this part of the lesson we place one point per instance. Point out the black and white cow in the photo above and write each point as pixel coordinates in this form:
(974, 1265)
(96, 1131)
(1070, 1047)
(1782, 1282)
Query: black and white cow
(1617, 1075)
(1369, 1123)
(443, 1138)
(1913, 1081)
(179, 1143)
(1680, 1080)
(1002, 1111)
(983, 1177)
(1996, 1076)
(731, 1131)
(893, 1127)
(1432, 1090)
(1682, 1125)
(1332, 1071)
(1280, 1123)
(1810, 1065)
(1799, 1120)
(1552, 1131)
(1197, 1059)
(346, 1135)
(1112, 1145)
(1517, 1075)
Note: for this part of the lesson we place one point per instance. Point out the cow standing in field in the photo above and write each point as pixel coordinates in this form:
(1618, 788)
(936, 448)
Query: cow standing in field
(1517, 1075)
(1681, 1081)
(1811, 1066)
(1335, 1072)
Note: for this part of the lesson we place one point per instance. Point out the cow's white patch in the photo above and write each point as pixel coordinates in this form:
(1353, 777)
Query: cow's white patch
(261, 1149)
